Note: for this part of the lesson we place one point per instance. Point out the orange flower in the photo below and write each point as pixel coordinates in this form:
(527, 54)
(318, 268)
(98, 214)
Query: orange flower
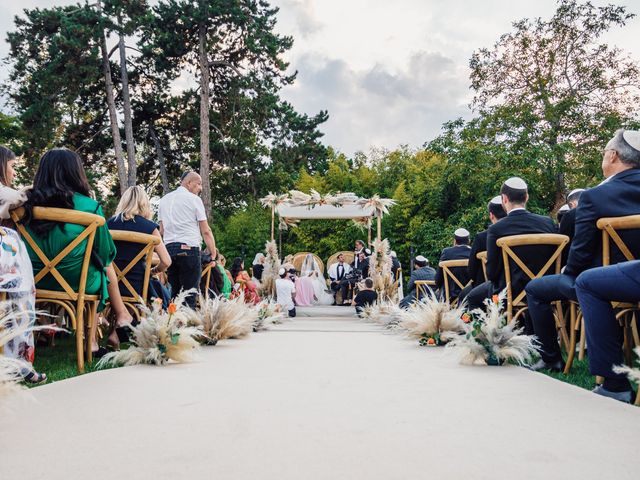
(172, 308)
(466, 318)
(431, 341)
(495, 299)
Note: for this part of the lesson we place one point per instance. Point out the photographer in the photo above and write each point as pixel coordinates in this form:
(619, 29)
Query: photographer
(365, 297)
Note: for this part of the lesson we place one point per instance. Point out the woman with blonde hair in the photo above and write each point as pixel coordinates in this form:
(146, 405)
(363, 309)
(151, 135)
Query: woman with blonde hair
(134, 214)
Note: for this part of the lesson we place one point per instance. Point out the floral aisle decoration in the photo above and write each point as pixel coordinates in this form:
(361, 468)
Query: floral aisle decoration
(270, 272)
(269, 313)
(380, 272)
(433, 322)
(159, 337)
(383, 313)
(489, 339)
(222, 319)
(633, 374)
(11, 368)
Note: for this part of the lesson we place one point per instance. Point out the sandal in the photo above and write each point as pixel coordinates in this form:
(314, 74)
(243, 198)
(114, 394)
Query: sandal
(35, 378)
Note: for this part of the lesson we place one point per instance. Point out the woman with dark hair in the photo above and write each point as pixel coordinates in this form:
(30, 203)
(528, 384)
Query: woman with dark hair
(16, 276)
(243, 283)
(61, 182)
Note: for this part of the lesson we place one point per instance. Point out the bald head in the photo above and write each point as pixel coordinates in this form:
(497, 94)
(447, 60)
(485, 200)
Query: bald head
(192, 182)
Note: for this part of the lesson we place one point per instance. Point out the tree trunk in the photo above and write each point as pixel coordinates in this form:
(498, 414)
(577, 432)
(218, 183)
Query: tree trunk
(113, 116)
(204, 111)
(161, 162)
(126, 99)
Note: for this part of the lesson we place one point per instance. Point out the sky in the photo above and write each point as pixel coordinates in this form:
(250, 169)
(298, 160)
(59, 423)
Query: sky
(389, 73)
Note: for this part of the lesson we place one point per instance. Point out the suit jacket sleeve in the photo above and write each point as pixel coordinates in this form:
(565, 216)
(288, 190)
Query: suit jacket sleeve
(472, 268)
(439, 275)
(412, 285)
(494, 258)
(585, 239)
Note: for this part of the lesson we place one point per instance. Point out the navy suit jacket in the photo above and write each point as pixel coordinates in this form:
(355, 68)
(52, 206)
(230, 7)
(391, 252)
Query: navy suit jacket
(618, 197)
(475, 271)
(518, 222)
(459, 252)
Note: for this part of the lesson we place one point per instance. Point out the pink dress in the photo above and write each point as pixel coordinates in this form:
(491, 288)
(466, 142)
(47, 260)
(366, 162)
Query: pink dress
(304, 292)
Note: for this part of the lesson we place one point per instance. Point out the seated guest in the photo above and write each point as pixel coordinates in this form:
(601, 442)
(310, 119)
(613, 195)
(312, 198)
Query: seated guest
(561, 212)
(60, 182)
(518, 221)
(242, 283)
(258, 267)
(395, 264)
(617, 197)
(227, 281)
(216, 280)
(475, 270)
(596, 288)
(286, 293)
(365, 297)
(460, 251)
(305, 295)
(16, 276)
(133, 214)
(337, 275)
(422, 271)
(568, 220)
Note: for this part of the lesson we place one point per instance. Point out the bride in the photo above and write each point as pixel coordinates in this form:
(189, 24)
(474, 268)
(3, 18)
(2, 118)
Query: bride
(311, 269)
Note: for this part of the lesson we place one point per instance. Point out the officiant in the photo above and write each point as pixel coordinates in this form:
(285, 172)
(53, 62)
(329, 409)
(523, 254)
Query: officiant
(338, 276)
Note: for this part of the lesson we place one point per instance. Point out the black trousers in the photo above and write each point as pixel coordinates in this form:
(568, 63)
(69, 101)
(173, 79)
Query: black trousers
(185, 270)
(343, 286)
(476, 297)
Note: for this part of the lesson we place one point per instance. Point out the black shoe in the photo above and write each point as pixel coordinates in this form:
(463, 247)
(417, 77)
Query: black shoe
(557, 366)
(101, 352)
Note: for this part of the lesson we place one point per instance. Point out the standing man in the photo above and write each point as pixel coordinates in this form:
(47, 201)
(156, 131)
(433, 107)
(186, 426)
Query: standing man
(183, 225)
(359, 248)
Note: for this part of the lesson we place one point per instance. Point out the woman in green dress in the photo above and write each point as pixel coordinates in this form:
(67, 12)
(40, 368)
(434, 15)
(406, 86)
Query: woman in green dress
(60, 182)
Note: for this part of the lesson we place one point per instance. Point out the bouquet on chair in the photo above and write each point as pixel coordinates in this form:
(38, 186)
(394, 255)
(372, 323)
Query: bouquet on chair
(160, 336)
(433, 322)
(488, 339)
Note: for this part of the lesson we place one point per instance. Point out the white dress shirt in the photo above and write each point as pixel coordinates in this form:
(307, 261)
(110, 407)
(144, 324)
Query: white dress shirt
(285, 289)
(333, 270)
(180, 211)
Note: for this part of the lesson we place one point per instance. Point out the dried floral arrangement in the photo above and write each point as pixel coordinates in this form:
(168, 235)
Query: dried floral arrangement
(489, 339)
(222, 319)
(383, 313)
(271, 267)
(433, 322)
(380, 272)
(633, 374)
(269, 313)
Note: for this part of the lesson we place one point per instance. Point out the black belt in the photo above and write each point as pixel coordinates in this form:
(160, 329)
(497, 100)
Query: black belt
(179, 244)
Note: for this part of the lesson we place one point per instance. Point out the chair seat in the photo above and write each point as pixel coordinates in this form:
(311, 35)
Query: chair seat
(55, 295)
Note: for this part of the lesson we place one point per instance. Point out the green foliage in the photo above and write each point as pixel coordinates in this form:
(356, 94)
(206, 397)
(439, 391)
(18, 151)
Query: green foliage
(249, 227)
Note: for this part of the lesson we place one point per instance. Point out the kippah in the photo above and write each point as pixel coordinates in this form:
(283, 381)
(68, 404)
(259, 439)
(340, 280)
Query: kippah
(282, 271)
(516, 183)
(392, 253)
(367, 251)
(632, 137)
(420, 258)
(564, 208)
(497, 200)
(461, 233)
(575, 190)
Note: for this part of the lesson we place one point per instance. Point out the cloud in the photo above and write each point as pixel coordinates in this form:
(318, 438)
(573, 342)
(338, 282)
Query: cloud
(304, 13)
(380, 107)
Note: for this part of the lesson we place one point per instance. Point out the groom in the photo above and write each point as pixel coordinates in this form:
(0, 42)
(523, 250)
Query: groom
(337, 273)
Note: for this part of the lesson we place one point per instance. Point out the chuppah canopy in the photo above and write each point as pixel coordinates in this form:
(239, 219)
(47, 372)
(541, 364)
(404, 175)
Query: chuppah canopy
(322, 212)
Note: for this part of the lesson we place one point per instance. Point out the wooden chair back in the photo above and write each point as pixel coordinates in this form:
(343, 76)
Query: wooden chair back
(446, 267)
(610, 228)
(147, 244)
(482, 256)
(424, 288)
(507, 244)
(298, 260)
(349, 257)
(67, 295)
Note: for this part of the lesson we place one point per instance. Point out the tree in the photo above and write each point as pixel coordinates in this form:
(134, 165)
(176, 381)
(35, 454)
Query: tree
(560, 83)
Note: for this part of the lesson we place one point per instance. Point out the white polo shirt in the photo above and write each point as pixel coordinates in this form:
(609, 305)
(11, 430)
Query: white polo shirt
(285, 288)
(180, 211)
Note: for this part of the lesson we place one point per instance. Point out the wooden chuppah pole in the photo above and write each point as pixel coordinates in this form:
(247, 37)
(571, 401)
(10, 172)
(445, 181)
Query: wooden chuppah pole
(273, 222)
(369, 232)
(379, 214)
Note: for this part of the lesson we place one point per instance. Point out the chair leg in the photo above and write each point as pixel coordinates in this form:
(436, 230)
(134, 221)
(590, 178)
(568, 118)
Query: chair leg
(637, 402)
(571, 351)
(80, 335)
(628, 349)
(583, 340)
(92, 328)
(560, 324)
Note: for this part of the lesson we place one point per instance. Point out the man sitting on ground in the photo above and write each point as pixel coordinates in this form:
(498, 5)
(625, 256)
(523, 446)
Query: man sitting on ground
(460, 251)
(365, 297)
(617, 197)
(519, 221)
(422, 272)
(286, 292)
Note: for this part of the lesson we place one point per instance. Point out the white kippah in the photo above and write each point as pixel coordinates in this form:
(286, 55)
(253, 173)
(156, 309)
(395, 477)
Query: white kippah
(564, 208)
(632, 137)
(575, 190)
(282, 271)
(461, 233)
(516, 183)
(392, 253)
(420, 258)
(367, 251)
(497, 200)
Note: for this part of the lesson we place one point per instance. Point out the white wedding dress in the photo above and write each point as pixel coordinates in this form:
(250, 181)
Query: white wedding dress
(310, 268)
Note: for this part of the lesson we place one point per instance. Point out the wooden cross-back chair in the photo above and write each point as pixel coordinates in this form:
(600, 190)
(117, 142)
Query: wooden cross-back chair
(205, 277)
(147, 244)
(507, 244)
(349, 257)
(424, 288)
(482, 256)
(627, 311)
(446, 267)
(73, 302)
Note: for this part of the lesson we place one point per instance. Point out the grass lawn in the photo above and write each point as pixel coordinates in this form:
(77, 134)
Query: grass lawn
(59, 362)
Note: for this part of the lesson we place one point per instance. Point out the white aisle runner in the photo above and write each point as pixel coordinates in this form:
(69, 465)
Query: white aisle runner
(318, 398)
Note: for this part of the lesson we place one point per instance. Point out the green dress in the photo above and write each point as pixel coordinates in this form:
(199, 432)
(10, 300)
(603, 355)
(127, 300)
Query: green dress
(71, 265)
(226, 285)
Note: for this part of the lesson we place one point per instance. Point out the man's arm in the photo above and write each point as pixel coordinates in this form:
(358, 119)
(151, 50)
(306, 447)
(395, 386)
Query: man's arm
(494, 259)
(585, 238)
(207, 235)
(411, 285)
(161, 229)
(472, 268)
(439, 273)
